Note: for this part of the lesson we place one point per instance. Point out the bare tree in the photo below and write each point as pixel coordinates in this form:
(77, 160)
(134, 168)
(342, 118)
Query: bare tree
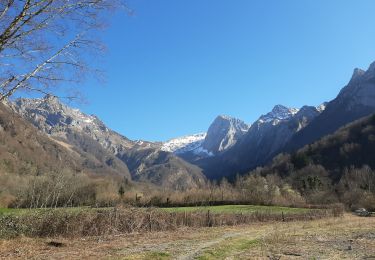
(46, 42)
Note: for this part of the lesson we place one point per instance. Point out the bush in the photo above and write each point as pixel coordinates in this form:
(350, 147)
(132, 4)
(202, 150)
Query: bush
(99, 222)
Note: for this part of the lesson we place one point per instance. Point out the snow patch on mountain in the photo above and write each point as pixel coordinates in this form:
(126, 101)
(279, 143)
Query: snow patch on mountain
(184, 144)
(322, 107)
(279, 113)
(222, 134)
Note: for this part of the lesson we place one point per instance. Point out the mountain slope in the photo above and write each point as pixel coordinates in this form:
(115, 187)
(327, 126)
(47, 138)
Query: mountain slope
(25, 150)
(351, 146)
(162, 168)
(55, 119)
(354, 101)
(286, 129)
(88, 135)
(224, 133)
(264, 138)
(184, 144)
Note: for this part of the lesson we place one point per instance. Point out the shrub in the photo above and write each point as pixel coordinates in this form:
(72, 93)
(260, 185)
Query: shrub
(99, 222)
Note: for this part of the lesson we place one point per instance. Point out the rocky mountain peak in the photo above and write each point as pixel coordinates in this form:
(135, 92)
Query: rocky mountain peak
(51, 115)
(371, 68)
(309, 112)
(360, 91)
(105, 150)
(305, 109)
(279, 108)
(50, 97)
(278, 113)
(223, 117)
(322, 107)
(223, 133)
(228, 121)
(49, 101)
(357, 73)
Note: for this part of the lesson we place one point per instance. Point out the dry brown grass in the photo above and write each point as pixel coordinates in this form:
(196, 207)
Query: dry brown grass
(316, 239)
(350, 237)
(123, 220)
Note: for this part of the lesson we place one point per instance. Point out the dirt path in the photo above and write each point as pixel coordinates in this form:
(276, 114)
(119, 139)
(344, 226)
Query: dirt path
(200, 247)
(204, 245)
(350, 237)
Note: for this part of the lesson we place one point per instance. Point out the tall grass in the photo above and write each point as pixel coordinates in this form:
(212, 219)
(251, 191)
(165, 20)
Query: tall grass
(67, 223)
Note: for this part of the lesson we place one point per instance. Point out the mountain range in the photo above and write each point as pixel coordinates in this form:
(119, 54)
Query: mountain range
(288, 129)
(230, 146)
(89, 137)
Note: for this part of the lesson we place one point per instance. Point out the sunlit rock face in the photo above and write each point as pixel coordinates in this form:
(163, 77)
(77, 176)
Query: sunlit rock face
(146, 161)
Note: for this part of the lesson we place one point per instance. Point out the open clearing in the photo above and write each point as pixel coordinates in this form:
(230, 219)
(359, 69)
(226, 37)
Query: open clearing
(236, 209)
(19, 212)
(348, 237)
(12, 211)
(244, 209)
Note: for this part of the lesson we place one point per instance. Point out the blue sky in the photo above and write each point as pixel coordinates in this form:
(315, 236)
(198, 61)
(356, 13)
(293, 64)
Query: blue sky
(175, 65)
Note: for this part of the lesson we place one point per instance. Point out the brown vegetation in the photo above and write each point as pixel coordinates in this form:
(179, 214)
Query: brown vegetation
(296, 180)
(338, 168)
(327, 238)
(99, 222)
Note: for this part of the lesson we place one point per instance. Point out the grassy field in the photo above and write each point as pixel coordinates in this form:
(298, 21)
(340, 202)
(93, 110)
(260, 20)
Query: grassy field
(5, 211)
(347, 237)
(19, 212)
(244, 209)
(235, 209)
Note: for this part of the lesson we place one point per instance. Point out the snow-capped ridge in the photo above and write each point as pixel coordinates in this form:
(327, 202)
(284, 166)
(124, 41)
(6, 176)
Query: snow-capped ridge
(278, 113)
(222, 134)
(322, 107)
(183, 144)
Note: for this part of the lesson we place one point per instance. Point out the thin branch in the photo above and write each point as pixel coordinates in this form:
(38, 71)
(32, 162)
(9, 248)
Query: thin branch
(6, 8)
(50, 93)
(36, 70)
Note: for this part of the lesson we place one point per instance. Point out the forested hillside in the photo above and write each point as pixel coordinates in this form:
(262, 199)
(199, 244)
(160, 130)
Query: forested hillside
(338, 167)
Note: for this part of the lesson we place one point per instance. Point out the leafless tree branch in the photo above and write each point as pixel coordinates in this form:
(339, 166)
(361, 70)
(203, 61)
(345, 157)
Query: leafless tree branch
(31, 32)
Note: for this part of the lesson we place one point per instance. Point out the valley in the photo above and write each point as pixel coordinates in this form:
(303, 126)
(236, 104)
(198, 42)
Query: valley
(239, 130)
(87, 164)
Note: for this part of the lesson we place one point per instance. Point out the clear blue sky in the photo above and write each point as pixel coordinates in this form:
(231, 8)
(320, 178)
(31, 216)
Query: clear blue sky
(175, 65)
